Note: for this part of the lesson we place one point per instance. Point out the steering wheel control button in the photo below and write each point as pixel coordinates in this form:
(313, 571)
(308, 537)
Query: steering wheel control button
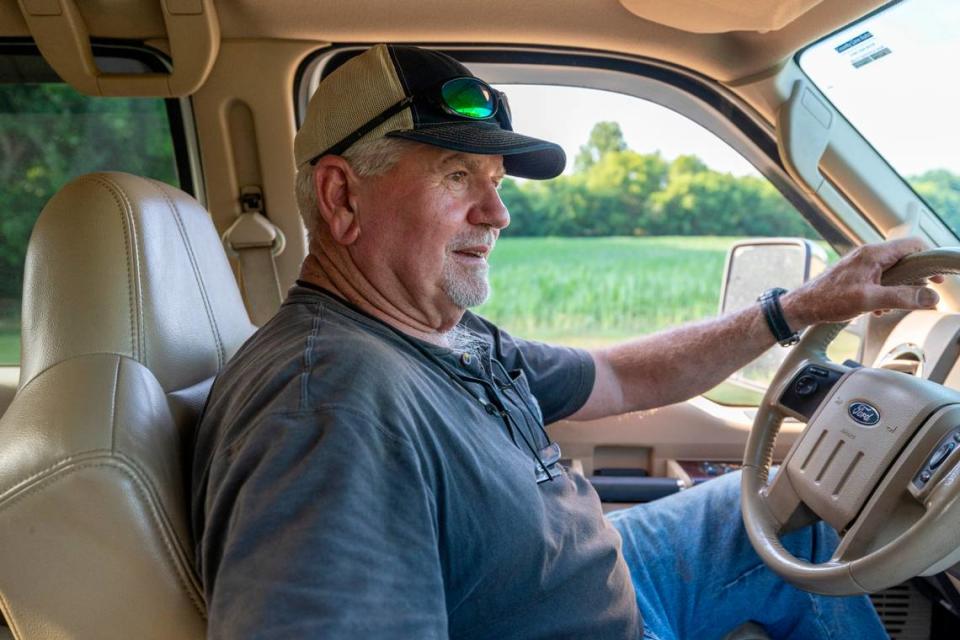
(925, 476)
(808, 389)
(863, 413)
(941, 454)
(806, 386)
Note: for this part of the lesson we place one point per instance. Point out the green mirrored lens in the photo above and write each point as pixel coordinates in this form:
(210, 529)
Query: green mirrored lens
(468, 98)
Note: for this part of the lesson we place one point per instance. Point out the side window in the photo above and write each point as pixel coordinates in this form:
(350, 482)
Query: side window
(49, 134)
(632, 238)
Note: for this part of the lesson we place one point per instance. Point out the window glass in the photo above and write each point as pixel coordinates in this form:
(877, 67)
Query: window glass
(893, 76)
(633, 237)
(50, 133)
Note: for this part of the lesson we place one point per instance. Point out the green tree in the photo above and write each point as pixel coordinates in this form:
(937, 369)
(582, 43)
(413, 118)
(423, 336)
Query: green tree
(49, 134)
(605, 137)
(941, 189)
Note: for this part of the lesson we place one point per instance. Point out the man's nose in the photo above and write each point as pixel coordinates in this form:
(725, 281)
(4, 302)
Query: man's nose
(490, 210)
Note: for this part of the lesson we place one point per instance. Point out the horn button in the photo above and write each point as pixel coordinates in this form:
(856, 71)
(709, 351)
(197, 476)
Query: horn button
(854, 435)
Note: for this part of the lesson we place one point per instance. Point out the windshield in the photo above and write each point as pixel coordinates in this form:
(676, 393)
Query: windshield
(893, 76)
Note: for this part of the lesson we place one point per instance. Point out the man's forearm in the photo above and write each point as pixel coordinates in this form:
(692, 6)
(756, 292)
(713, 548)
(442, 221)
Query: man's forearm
(678, 364)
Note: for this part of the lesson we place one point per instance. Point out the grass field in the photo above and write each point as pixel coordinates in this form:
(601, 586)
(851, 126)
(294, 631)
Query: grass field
(9, 331)
(591, 291)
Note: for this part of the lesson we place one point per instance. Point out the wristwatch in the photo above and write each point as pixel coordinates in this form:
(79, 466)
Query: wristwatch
(770, 304)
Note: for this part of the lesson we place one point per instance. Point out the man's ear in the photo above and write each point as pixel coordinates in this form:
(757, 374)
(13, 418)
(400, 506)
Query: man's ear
(334, 183)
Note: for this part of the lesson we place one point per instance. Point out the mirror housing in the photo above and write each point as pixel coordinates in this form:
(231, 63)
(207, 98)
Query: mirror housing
(758, 264)
(752, 267)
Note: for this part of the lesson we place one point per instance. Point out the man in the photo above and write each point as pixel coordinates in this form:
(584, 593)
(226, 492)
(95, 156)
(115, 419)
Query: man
(373, 462)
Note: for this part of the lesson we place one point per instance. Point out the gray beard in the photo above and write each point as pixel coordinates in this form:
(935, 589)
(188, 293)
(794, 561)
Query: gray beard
(464, 289)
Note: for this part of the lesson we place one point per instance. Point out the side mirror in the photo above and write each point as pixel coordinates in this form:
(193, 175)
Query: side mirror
(752, 267)
(755, 265)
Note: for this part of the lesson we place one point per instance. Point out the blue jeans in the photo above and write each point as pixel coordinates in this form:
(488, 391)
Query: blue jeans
(697, 576)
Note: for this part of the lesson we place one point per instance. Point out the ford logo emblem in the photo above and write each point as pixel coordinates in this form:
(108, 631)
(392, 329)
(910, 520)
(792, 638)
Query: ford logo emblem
(863, 413)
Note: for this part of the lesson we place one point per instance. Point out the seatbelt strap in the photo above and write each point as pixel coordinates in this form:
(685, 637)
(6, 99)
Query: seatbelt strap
(255, 242)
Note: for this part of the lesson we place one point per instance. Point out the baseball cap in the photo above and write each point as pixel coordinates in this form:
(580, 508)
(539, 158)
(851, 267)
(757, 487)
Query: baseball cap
(395, 91)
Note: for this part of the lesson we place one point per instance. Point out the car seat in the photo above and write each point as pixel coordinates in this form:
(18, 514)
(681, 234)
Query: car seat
(130, 308)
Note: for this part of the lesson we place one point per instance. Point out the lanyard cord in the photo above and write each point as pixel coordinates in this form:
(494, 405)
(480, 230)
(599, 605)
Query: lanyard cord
(491, 407)
(496, 406)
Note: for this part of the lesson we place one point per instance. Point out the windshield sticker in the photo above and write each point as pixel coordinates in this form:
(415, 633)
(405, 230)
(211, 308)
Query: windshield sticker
(862, 50)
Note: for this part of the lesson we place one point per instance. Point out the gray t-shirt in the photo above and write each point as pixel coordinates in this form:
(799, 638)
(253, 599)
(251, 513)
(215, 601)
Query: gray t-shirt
(349, 482)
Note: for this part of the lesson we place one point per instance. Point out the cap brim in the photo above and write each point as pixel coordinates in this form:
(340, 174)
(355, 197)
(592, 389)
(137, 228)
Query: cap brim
(523, 156)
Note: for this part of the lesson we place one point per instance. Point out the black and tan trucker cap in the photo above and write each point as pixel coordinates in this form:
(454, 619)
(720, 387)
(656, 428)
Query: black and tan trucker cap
(368, 85)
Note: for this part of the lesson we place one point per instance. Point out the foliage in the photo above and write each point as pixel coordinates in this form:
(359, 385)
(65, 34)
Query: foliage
(49, 134)
(617, 191)
(941, 190)
(605, 137)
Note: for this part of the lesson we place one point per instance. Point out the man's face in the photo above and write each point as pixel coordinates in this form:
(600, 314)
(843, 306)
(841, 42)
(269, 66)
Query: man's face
(428, 226)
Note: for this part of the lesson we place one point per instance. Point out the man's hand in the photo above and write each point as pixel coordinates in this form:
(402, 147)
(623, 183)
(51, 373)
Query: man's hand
(852, 286)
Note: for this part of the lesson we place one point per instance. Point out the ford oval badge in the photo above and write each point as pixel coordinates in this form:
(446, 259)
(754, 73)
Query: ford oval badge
(864, 413)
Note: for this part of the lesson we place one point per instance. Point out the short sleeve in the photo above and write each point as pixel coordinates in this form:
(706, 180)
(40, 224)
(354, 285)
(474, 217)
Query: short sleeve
(560, 378)
(321, 524)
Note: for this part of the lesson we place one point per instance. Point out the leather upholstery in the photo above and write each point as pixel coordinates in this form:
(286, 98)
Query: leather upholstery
(130, 308)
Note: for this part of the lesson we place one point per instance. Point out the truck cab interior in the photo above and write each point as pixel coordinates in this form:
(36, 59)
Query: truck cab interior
(149, 225)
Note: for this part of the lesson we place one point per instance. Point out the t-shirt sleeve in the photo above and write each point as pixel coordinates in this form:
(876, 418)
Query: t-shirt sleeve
(322, 525)
(560, 378)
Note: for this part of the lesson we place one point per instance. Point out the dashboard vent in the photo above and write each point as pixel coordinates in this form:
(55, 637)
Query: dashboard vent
(905, 358)
(905, 613)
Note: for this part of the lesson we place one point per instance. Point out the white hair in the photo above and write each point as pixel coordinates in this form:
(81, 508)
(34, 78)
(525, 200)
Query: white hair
(459, 338)
(367, 158)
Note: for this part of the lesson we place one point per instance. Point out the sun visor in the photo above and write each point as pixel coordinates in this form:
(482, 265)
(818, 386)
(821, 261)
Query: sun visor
(192, 32)
(720, 16)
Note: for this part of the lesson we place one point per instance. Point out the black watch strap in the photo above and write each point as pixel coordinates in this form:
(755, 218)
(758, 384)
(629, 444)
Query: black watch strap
(770, 304)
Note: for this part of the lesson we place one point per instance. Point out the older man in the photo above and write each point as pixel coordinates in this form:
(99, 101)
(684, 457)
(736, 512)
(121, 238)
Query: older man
(373, 462)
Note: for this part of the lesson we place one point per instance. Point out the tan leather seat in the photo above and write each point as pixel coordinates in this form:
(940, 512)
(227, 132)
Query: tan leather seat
(130, 308)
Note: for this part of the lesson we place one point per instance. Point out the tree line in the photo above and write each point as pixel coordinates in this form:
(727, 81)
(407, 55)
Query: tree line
(615, 191)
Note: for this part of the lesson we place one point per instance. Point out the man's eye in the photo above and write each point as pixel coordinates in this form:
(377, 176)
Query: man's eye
(458, 176)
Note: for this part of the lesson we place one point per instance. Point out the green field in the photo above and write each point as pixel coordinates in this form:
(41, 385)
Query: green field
(9, 331)
(591, 291)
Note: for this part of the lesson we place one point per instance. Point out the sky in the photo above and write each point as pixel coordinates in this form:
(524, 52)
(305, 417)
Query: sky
(906, 102)
(565, 115)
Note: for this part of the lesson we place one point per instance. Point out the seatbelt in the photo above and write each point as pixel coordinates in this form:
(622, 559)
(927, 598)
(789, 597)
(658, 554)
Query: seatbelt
(255, 242)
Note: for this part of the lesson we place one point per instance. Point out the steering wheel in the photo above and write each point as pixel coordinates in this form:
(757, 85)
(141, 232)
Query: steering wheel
(878, 461)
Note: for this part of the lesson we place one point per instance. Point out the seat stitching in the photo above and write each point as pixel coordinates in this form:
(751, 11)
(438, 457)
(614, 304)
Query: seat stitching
(221, 355)
(130, 297)
(113, 406)
(191, 590)
(14, 490)
(138, 285)
(133, 248)
(175, 547)
(59, 362)
(8, 616)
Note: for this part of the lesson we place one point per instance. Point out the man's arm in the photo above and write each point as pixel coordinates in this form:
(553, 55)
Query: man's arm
(678, 364)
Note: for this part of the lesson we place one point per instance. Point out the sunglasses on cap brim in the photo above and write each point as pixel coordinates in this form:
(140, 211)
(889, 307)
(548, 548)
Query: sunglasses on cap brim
(465, 97)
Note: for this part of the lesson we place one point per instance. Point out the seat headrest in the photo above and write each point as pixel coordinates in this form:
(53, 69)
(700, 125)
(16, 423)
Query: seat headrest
(131, 266)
